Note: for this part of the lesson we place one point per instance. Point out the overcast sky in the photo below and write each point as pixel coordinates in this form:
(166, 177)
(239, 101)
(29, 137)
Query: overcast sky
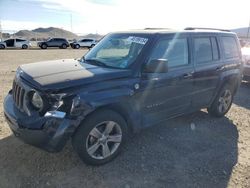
(102, 16)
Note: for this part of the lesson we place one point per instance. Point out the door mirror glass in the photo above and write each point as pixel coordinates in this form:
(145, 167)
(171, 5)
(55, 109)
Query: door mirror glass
(157, 66)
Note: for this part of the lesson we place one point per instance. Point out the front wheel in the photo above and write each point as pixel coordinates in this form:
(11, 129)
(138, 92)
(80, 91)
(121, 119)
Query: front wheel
(222, 102)
(44, 46)
(77, 46)
(100, 137)
(64, 46)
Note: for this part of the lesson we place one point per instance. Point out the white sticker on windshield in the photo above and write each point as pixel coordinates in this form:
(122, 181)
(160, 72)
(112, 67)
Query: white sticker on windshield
(138, 40)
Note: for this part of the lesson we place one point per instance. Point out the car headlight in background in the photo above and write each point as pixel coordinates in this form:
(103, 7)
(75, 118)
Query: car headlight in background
(37, 101)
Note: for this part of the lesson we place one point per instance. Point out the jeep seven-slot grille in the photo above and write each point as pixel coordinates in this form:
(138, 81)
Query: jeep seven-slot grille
(18, 95)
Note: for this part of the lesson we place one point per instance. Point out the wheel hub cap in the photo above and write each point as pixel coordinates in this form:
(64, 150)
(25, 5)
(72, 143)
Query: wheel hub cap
(104, 139)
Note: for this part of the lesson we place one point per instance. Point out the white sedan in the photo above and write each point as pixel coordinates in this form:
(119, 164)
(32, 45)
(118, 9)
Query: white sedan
(89, 43)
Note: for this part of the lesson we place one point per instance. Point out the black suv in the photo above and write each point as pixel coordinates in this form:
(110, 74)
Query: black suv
(54, 42)
(128, 81)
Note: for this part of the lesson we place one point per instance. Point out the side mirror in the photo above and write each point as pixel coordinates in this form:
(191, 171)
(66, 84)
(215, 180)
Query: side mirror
(157, 66)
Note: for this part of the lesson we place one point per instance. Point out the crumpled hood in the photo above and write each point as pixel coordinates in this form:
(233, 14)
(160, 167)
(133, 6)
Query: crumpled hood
(60, 74)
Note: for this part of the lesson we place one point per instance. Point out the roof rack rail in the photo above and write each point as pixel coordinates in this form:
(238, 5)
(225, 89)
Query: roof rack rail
(152, 28)
(193, 28)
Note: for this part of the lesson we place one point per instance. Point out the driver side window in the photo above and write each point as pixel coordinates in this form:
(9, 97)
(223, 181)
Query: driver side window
(174, 50)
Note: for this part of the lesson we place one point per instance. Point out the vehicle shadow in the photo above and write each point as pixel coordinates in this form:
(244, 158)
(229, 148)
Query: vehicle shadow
(192, 151)
(242, 97)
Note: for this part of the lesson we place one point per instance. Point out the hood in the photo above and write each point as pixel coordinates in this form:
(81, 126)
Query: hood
(66, 73)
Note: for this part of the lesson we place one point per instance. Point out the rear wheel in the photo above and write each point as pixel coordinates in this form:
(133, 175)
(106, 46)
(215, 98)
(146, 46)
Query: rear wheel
(100, 137)
(92, 45)
(25, 46)
(222, 102)
(2, 46)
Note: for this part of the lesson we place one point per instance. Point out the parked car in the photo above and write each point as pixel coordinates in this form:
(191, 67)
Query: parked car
(15, 43)
(128, 81)
(2, 45)
(88, 43)
(54, 42)
(246, 63)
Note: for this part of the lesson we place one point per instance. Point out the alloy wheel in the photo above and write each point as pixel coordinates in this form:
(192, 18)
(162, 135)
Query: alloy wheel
(225, 101)
(104, 139)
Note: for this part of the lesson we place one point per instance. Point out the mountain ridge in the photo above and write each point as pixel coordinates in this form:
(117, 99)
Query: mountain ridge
(50, 32)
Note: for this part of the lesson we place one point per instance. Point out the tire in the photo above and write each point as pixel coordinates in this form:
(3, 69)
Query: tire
(92, 45)
(25, 46)
(2, 46)
(223, 101)
(44, 46)
(77, 46)
(64, 46)
(92, 138)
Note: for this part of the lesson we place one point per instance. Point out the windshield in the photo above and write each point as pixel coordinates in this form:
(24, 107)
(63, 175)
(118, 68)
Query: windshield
(116, 50)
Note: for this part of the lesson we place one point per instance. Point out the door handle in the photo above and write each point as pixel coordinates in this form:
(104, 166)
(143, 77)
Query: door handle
(188, 75)
(219, 68)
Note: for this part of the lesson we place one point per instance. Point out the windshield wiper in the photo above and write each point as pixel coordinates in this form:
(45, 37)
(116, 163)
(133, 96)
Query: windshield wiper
(82, 59)
(96, 62)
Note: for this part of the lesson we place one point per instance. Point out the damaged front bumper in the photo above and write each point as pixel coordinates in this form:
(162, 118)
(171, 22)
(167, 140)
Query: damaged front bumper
(50, 132)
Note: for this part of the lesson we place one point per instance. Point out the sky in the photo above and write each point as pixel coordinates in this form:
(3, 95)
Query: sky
(103, 16)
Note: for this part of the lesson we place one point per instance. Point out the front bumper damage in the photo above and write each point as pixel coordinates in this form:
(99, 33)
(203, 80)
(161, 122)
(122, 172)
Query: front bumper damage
(54, 128)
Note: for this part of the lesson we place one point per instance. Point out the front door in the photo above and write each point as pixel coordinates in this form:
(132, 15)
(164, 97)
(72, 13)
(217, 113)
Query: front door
(165, 95)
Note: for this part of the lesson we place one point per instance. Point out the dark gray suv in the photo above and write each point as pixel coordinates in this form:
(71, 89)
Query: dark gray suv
(54, 42)
(128, 81)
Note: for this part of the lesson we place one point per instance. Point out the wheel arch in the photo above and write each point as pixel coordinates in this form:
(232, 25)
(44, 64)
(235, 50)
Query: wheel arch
(130, 115)
(232, 77)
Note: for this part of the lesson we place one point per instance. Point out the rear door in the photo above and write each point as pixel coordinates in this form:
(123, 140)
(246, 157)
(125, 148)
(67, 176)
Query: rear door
(52, 43)
(86, 42)
(208, 67)
(164, 95)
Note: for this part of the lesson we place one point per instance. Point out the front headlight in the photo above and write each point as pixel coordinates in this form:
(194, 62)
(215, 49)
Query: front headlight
(37, 101)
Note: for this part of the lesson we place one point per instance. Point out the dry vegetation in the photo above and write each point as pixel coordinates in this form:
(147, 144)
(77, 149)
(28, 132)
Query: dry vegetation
(210, 153)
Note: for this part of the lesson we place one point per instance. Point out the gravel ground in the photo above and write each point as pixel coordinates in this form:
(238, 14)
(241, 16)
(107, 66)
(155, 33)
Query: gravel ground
(191, 151)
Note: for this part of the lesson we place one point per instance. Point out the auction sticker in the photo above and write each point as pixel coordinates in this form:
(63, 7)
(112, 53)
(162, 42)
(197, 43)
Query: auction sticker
(139, 40)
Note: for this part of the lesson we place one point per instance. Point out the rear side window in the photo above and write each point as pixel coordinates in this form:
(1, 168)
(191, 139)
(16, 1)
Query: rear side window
(230, 47)
(206, 49)
(215, 49)
(174, 50)
(20, 40)
(87, 40)
(203, 50)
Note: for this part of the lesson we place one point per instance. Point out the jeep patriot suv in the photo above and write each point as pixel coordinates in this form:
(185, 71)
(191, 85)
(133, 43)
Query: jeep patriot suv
(128, 81)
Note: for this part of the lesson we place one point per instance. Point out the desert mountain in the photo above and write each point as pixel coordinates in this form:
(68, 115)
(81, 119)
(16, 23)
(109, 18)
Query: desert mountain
(44, 33)
(241, 32)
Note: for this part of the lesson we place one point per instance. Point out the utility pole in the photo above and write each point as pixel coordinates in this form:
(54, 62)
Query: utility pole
(248, 30)
(71, 22)
(1, 31)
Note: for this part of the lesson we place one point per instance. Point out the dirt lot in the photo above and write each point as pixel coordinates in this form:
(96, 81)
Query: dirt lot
(191, 151)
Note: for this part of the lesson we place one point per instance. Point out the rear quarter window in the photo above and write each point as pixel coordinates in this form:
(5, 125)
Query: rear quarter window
(230, 47)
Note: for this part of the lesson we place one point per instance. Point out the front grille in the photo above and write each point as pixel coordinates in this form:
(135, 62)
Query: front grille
(18, 95)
